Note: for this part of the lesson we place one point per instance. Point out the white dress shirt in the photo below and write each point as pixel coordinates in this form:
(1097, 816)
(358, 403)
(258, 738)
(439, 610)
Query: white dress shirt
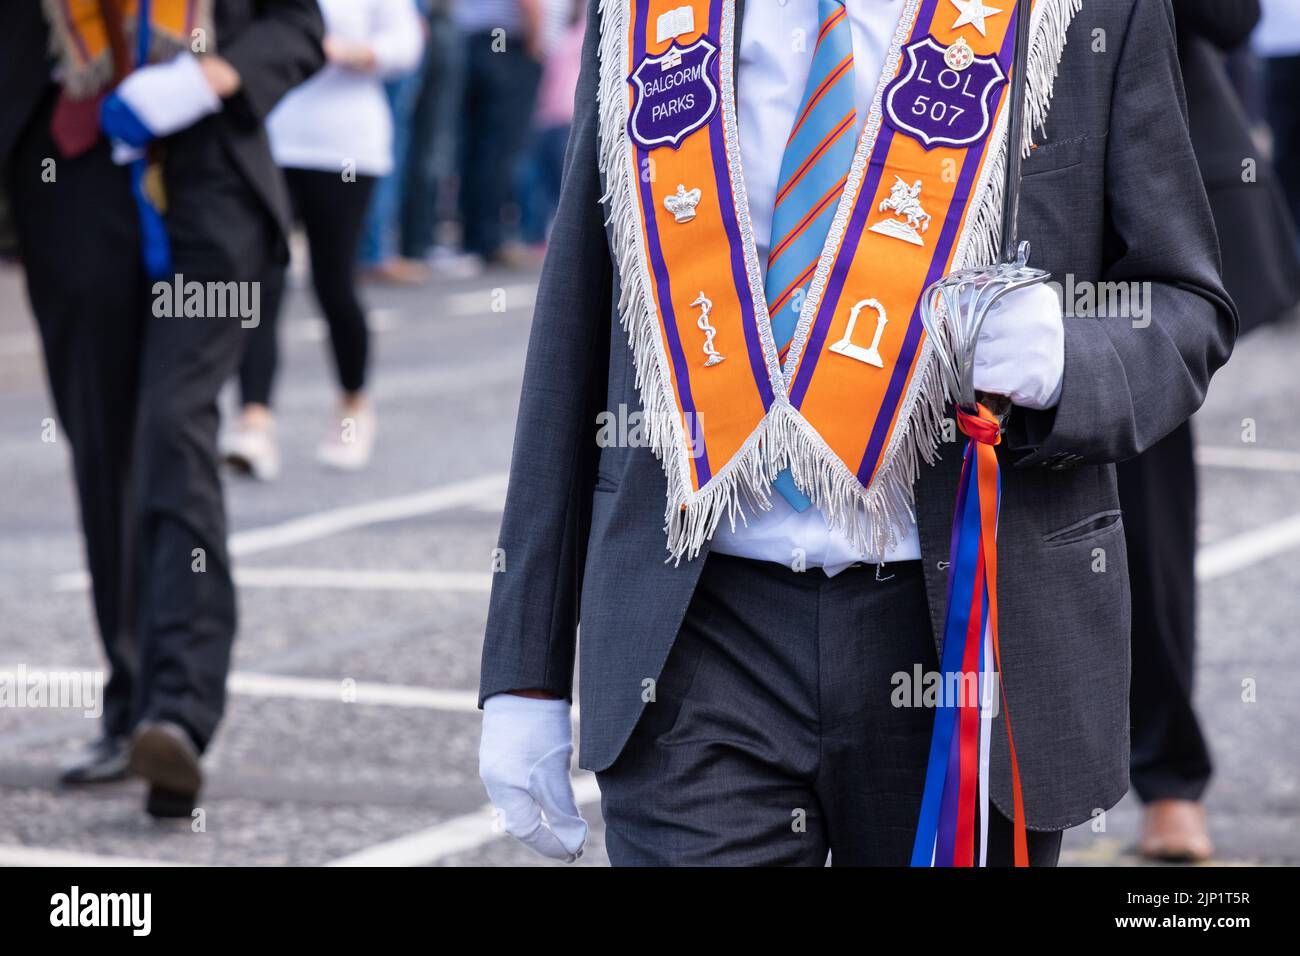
(776, 50)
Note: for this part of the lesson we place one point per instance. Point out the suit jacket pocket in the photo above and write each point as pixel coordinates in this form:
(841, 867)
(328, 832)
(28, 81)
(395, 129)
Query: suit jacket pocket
(1094, 526)
(1049, 157)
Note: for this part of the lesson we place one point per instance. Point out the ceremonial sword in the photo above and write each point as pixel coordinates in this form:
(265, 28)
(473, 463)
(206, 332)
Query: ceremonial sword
(953, 309)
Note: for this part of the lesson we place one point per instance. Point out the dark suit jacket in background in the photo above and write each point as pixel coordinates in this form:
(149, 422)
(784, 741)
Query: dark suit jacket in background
(1260, 265)
(274, 44)
(1111, 194)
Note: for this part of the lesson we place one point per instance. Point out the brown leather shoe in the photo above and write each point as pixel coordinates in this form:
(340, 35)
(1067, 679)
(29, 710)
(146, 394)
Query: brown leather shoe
(163, 753)
(398, 271)
(1174, 831)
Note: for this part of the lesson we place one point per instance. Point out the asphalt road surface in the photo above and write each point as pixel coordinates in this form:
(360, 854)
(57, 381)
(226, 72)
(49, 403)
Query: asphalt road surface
(352, 734)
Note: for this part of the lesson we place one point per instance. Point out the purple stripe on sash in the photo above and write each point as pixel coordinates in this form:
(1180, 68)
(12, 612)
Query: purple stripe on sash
(880, 429)
(857, 222)
(681, 373)
(727, 206)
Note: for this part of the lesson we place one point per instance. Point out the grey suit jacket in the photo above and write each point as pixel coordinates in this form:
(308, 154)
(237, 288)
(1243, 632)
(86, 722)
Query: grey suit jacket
(1111, 194)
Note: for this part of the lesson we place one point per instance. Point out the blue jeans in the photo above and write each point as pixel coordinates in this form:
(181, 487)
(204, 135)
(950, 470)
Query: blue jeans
(431, 156)
(377, 238)
(500, 91)
(539, 182)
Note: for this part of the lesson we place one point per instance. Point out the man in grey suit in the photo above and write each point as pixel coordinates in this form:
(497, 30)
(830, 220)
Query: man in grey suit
(737, 711)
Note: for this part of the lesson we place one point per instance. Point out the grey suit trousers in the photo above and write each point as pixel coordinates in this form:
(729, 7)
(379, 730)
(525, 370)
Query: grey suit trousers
(773, 736)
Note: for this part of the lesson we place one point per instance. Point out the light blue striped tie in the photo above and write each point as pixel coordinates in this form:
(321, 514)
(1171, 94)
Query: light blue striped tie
(813, 171)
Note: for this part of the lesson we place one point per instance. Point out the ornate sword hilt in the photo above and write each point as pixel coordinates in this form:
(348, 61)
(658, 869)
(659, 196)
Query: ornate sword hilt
(953, 311)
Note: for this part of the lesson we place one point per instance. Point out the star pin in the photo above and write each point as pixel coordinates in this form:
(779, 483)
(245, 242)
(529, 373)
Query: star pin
(974, 13)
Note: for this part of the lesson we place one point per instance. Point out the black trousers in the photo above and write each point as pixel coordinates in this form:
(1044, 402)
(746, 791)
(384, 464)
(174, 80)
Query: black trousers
(1169, 756)
(136, 396)
(332, 211)
(772, 737)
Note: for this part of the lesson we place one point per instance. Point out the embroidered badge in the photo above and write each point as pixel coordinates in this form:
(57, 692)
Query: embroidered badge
(938, 105)
(675, 95)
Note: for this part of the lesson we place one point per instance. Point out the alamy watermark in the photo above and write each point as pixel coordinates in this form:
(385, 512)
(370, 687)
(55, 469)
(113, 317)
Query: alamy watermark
(631, 428)
(65, 690)
(178, 298)
(931, 689)
(1105, 300)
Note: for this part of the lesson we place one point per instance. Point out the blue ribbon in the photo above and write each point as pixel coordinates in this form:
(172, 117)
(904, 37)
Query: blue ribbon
(119, 122)
(938, 799)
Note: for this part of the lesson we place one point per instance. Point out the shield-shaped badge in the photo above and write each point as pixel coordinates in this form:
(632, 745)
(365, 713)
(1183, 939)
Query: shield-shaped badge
(675, 95)
(942, 106)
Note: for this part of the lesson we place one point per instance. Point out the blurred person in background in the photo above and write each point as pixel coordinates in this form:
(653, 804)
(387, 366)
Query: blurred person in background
(140, 159)
(503, 42)
(1171, 763)
(378, 256)
(1277, 41)
(539, 190)
(431, 158)
(333, 138)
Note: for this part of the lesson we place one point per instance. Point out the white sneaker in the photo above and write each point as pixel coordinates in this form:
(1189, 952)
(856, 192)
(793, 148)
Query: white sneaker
(252, 450)
(349, 444)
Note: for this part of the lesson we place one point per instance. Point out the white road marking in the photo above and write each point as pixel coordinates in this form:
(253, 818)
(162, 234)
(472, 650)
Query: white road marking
(322, 524)
(457, 835)
(20, 343)
(481, 301)
(1243, 550)
(336, 520)
(346, 579)
(250, 684)
(44, 856)
(1248, 457)
(314, 328)
(330, 689)
(335, 579)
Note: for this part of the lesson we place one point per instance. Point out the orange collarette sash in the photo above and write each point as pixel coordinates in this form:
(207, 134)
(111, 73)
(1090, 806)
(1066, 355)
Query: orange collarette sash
(858, 402)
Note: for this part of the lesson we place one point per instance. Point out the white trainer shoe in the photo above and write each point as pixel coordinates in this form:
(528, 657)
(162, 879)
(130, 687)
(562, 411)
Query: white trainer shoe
(252, 450)
(349, 445)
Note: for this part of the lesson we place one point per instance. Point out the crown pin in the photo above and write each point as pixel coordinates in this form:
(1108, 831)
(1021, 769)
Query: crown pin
(682, 203)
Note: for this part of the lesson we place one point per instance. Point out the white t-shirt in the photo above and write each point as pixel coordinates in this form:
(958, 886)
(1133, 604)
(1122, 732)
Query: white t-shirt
(340, 118)
(1278, 33)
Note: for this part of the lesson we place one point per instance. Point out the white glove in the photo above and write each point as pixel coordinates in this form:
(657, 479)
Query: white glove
(158, 100)
(523, 759)
(1021, 348)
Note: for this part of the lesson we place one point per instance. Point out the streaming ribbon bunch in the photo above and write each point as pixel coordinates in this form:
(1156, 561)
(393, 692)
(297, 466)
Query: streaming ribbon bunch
(957, 774)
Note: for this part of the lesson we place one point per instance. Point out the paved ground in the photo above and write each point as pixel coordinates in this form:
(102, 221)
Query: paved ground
(352, 733)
